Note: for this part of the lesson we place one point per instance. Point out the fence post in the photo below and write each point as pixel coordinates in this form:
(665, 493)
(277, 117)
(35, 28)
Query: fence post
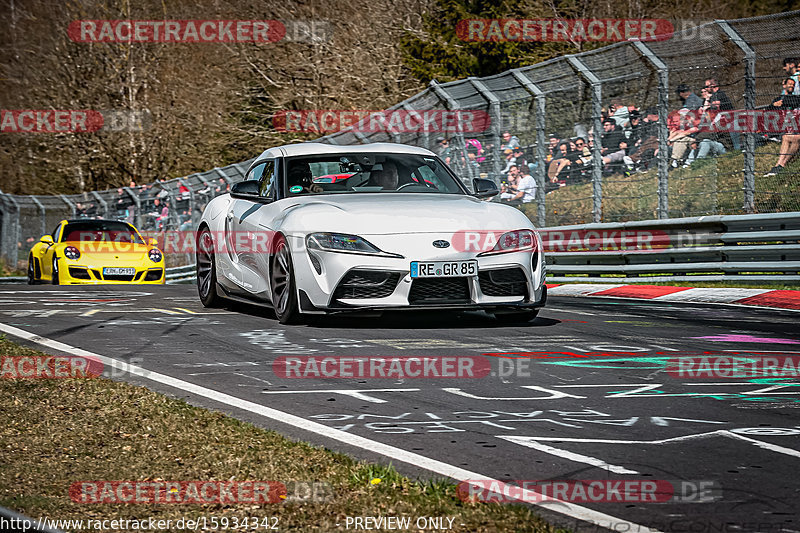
(103, 203)
(69, 203)
(663, 132)
(43, 213)
(749, 104)
(10, 230)
(597, 158)
(426, 141)
(452, 105)
(541, 142)
(494, 113)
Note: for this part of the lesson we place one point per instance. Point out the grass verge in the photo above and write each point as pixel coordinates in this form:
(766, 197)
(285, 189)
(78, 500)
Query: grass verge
(54, 432)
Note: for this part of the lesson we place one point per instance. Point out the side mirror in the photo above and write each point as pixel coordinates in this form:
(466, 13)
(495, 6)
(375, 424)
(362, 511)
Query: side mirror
(484, 188)
(47, 239)
(245, 190)
(152, 241)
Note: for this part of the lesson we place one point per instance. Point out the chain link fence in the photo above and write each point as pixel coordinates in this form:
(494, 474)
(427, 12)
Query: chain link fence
(557, 111)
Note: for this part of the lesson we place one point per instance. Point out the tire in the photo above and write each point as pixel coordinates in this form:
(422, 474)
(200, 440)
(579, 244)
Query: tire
(54, 273)
(284, 289)
(517, 317)
(206, 270)
(31, 271)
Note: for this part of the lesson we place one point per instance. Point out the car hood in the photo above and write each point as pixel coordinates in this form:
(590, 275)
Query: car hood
(109, 251)
(392, 213)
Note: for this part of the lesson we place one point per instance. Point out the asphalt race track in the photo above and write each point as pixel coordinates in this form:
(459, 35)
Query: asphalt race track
(589, 400)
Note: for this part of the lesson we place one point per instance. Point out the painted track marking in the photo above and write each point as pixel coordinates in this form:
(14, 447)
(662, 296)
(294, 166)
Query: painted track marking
(432, 465)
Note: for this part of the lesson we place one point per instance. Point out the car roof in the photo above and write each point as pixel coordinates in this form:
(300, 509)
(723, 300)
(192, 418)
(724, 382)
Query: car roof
(75, 220)
(299, 149)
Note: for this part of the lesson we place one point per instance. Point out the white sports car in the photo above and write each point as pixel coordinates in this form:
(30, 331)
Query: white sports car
(395, 230)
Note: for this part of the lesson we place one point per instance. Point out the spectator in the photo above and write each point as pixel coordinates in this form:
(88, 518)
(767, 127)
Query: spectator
(552, 148)
(706, 143)
(508, 187)
(689, 100)
(559, 167)
(124, 205)
(582, 162)
(788, 99)
(509, 141)
(222, 186)
(681, 128)
(719, 101)
(508, 154)
(792, 70)
(790, 143)
(443, 149)
(612, 135)
(476, 144)
(619, 114)
(526, 189)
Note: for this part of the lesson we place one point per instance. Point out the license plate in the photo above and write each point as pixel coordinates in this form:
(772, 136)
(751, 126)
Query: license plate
(118, 271)
(443, 269)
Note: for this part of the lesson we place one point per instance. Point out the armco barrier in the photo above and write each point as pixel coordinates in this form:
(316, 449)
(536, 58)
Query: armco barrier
(712, 248)
(736, 247)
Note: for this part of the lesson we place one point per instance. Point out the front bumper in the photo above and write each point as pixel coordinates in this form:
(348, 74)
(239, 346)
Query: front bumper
(319, 276)
(77, 274)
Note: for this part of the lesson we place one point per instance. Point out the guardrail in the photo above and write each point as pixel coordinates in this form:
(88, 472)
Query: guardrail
(711, 248)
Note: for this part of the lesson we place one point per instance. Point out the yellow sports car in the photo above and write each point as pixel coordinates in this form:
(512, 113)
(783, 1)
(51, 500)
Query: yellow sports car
(95, 251)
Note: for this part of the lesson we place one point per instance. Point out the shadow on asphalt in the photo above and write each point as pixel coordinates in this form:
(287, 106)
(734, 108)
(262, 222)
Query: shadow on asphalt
(398, 319)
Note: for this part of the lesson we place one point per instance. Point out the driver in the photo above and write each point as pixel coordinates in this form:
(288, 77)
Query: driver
(386, 178)
(300, 175)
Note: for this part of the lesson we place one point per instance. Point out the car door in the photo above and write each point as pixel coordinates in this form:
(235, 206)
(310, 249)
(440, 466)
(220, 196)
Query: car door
(259, 227)
(43, 253)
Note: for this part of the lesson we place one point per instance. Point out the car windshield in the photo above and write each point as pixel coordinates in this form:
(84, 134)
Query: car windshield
(368, 173)
(96, 231)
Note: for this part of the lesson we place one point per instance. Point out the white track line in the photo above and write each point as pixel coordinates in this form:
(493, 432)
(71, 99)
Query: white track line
(392, 452)
(565, 454)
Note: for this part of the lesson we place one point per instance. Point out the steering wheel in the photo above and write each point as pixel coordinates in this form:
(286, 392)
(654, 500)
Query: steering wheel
(403, 186)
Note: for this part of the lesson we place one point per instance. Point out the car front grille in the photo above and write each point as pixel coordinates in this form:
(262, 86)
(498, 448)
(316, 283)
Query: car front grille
(79, 273)
(359, 284)
(503, 282)
(439, 291)
(154, 274)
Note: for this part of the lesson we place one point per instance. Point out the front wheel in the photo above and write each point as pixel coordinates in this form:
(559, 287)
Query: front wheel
(206, 270)
(31, 272)
(284, 291)
(54, 272)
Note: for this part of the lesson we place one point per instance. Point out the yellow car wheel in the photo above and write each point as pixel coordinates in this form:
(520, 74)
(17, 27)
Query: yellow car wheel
(54, 275)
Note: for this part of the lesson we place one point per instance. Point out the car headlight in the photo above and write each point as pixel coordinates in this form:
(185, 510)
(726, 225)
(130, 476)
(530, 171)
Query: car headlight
(155, 255)
(70, 252)
(341, 242)
(514, 241)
